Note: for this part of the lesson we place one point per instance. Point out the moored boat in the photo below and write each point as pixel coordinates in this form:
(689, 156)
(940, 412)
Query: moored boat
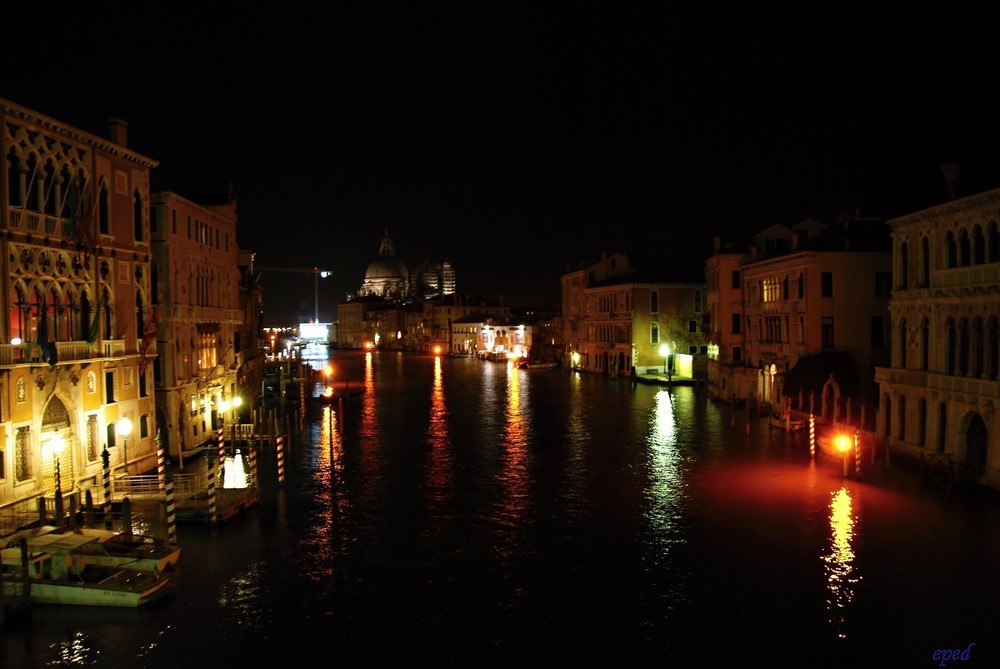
(65, 578)
(105, 547)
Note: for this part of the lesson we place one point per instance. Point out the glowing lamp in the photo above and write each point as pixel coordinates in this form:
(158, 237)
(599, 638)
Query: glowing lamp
(124, 428)
(843, 443)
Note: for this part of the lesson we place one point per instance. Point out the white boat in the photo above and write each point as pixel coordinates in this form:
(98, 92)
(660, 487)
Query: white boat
(68, 578)
(785, 423)
(105, 547)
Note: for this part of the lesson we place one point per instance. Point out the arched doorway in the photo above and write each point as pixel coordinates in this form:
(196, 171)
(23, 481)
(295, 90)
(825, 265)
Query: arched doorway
(58, 445)
(976, 440)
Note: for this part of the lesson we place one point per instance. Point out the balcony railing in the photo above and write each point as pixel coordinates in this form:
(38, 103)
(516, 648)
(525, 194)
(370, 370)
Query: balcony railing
(66, 351)
(40, 224)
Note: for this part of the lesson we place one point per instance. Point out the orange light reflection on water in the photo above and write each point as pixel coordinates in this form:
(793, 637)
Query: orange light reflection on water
(839, 562)
(439, 474)
(514, 476)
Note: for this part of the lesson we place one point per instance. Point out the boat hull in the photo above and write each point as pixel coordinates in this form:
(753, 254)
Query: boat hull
(117, 587)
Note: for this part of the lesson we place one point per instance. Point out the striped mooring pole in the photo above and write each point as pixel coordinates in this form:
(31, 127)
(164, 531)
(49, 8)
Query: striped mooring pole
(171, 513)
(857, 455)
(812, 436)
(212, 502)
(161, 468)
(252, 465)
(106, 473)
(221, 437)
(281, 459)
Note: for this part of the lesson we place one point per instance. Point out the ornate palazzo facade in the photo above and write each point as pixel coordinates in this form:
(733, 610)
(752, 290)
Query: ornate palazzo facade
(76, 303)
(941, 392)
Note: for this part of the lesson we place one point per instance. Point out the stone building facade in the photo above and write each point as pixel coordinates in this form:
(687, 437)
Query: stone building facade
(940, 393)
(197, 281)
(77, 306)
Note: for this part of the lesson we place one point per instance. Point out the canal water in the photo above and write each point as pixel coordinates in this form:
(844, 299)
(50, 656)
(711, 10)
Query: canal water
(463, 513)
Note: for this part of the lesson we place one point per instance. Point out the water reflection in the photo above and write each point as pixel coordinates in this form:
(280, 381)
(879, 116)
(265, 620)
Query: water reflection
(514, 474)
(439, 473)
(840, 571)
(76, 651)
(666, 488)
(235, 471)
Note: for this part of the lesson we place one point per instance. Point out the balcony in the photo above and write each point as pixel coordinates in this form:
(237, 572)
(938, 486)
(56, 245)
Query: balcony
(12, 355)
(37, 223)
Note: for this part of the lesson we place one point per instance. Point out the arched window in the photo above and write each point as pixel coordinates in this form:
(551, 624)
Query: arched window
(654, 333)
(978, 246)
(942, 427)
(17, 311)
(654, 302)
(993, 243)
(925, 262)
(963, 347)
(138, 210)
(952, 250)
(104, 209)
(140, 316)
(922, 427)
(951, 346)
(964, 248)
(925, 343)
(904, 266)
(901, 421)
(902, 343)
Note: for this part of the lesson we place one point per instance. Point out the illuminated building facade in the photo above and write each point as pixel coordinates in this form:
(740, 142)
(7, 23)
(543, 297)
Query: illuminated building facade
(726, 366)
(431, 279)
(803, 290)
(939, 393)
(78, 307)
(441, 312)
(645, 312)
(197, 281)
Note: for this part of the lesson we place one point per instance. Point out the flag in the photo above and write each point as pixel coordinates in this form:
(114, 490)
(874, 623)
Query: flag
(92, 335)
(148, 337)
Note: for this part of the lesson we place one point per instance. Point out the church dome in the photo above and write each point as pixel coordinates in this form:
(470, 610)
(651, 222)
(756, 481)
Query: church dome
(386, 267)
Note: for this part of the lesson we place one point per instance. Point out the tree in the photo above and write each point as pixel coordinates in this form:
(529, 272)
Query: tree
(812, 371)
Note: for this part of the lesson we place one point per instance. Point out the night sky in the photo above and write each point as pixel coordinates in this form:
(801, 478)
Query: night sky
(514, 139)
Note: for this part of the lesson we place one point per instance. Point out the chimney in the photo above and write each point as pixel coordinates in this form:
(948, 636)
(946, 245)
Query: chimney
(119, 132)
(952, 174)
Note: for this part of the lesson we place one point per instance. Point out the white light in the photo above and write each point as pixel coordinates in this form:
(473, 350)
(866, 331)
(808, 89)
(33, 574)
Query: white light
(123, 427)
(16, 341)
(53, 446)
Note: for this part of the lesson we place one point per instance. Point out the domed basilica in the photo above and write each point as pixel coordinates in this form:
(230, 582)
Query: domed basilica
(387, 277)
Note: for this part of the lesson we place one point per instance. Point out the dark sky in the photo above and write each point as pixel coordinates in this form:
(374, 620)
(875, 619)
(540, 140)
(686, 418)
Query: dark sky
(516, 139)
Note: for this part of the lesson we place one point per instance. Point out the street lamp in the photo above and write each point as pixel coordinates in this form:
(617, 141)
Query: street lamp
(665, 352)
(317, 273)
(844, 446)
(124, 428)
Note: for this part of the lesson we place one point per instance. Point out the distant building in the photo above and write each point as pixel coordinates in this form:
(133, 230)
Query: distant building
(939, 393)
(432, 279)
(201, 328)
(804, 290)
(636, 311)
(387, 277)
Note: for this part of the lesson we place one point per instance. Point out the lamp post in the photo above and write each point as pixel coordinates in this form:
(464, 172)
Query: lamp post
(124, 428)
(665, 352)
(54, 447)
(317, 273)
